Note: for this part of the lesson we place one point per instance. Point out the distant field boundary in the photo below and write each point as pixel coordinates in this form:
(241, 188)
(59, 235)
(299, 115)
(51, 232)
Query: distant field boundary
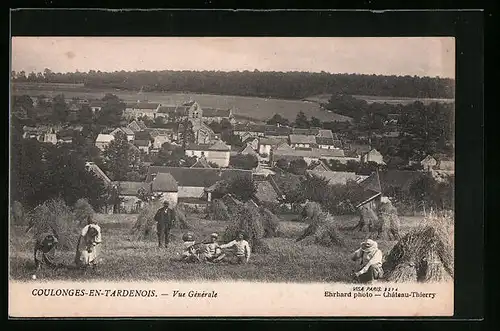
(246, 108)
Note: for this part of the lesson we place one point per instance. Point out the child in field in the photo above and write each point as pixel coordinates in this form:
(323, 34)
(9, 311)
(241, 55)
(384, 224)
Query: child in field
(213, 252)
(370, 258)
(190, 253)
(88, 244)
(242, 249)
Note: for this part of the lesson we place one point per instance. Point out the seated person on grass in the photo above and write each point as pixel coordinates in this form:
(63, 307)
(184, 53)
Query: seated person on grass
(45, 251)
(241, 249)
(190, 253)
(370, 258)
(213, 252)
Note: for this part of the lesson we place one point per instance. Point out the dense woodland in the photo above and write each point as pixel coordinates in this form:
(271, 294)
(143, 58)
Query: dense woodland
(287, 85)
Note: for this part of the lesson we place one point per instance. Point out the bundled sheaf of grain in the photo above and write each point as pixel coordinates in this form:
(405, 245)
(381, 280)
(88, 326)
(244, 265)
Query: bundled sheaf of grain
(388, 221)
(231, 203)
(144, 227)
(270, 223)
(83, 210)
(55, 217)
(322, 230)
(428, 248)
(311, 212)
(403, 273)
(246, 219)
(368, 219)
(220, 211)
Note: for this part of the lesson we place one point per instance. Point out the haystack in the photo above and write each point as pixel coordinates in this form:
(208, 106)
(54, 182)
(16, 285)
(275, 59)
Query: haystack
(368, 219)
(311, 212)
(145, 226)
(55, 217)
(388, 221)
(425, 254)
(231, 203)
(270, 222)
(322, 229)
(83, 210)
(220, 211)
(247, 219)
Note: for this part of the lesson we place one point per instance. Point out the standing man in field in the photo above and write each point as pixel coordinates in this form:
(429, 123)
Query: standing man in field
(242, 248)
(165, 217)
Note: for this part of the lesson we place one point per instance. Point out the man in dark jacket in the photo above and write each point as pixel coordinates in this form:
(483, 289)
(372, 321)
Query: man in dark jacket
(165, 218)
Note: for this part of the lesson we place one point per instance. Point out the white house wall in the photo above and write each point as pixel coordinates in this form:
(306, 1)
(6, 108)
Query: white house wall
(190, 192)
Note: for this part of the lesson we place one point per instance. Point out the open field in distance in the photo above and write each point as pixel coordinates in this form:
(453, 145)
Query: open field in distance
(259, 109)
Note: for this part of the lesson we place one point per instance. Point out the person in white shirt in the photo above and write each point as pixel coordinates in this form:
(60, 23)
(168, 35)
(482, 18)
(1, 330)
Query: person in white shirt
(370, 258)
(242, 248)
(213, 252)
(89, 241)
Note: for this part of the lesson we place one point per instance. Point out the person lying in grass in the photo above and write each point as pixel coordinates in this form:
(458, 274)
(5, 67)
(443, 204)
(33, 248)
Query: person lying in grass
(241, 249)
(87, 250)
(370, 258)
(213, 252)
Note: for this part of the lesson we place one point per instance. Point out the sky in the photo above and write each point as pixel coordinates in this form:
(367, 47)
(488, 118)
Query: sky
(420, 56)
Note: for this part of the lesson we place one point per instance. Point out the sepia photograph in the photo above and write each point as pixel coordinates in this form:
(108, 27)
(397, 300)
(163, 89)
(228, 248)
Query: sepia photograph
(242, 175)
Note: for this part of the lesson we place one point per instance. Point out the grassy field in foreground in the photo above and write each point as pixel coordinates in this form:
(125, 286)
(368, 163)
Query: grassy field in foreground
(128, 259)
(259, 109)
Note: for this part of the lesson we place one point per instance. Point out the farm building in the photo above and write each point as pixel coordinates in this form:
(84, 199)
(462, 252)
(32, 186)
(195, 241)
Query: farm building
(143, 145)
(128, 192)
(217, 115)
(277, 132)
(126, 131)
(218, 153)
(372, 191)
(428, 163)
(265, 145)
(318, 166)
(253, 130)
(302, 141)
(193, 181)
(248, 150)
(201, 163)
(306, 132)
(337, 177)
(139, 109)
(137, 126)
(192, 110)
(48, 137)
(96, 105)
(372, 156)
(159, 140)
(65, 136)
(253, 142)
(102, 141)
(166, 185)
(94, 168)
(395, 182)
(310, 155)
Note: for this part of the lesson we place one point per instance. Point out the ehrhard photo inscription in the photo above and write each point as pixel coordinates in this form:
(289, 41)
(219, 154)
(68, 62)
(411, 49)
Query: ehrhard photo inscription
(196, 176)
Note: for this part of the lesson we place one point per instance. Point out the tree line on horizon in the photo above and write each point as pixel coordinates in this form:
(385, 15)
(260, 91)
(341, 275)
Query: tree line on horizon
(268, 84)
